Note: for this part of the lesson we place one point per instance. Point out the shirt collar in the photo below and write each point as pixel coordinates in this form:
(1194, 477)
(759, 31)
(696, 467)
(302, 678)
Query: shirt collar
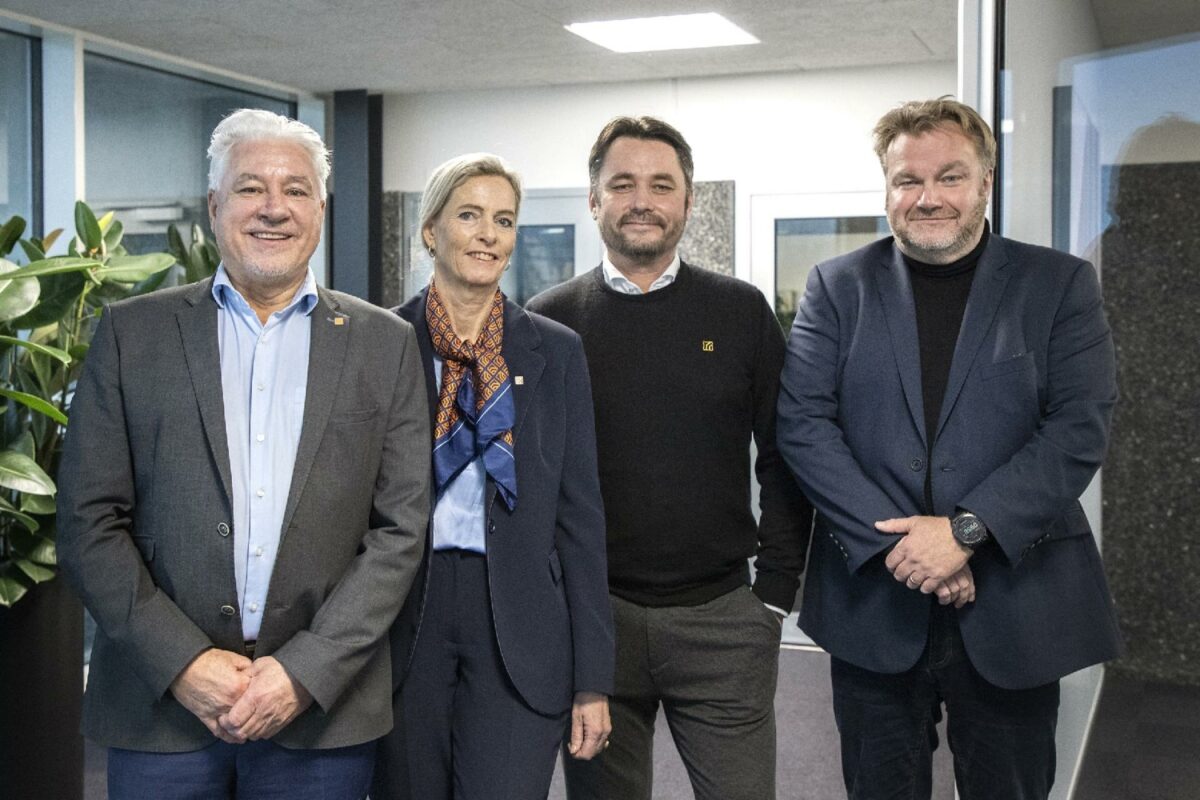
(223, 292)
(618, 282)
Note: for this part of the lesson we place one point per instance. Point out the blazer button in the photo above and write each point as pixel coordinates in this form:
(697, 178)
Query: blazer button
(491, 526)
(222, 529)
(916, 465)
(228, 611)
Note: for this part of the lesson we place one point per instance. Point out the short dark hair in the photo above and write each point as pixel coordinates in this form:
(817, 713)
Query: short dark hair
(922, 116)
(650, 128)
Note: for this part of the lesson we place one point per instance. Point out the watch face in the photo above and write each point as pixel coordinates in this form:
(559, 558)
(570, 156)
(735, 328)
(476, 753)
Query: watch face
(969, 530)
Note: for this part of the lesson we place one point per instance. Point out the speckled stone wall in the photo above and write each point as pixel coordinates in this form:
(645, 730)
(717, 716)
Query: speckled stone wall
(393, 276)
(708, 239)
(1150, 265)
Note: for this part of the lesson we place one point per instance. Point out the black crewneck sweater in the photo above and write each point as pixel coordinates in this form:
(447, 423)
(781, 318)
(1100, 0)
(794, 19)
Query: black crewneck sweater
(940, 293)
(681, 378)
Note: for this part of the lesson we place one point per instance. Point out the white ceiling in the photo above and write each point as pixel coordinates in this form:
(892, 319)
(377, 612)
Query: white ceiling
(431, 45)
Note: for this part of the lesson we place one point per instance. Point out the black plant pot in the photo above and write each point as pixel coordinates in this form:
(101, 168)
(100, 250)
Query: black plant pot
(41, 691)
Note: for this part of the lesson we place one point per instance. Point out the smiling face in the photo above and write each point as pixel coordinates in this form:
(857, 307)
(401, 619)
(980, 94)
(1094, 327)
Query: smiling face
(937, 193)
(473, 235)
(641, 203)
(267, 213)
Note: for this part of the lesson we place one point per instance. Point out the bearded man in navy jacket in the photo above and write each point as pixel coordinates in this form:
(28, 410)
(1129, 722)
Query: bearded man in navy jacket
(945, 400)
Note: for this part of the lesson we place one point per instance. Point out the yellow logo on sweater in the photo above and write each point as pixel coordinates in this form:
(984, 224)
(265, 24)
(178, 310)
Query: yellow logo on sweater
(706, 345)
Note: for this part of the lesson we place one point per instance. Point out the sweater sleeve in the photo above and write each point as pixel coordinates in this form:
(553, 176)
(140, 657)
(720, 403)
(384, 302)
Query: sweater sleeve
(785, 524)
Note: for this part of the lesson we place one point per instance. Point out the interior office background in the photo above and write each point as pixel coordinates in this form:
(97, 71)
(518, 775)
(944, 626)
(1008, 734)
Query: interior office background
(1095, 103)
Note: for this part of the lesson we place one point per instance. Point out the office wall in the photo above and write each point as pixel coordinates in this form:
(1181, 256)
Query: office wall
(776, 133)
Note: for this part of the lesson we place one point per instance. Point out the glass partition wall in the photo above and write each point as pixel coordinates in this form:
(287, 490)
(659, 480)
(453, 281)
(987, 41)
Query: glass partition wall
(1099, 127)
(17, 73)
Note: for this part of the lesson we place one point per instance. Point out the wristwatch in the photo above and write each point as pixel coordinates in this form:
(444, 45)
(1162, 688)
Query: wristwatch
(968, 530)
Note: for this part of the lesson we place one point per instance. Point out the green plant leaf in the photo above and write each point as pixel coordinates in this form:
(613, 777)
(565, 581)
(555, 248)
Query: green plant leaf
(10, 234)
(37, 504)
(112, 236)
(175, 244)
(79, 351)
(13, 586)
(31, 524)
(52, 352)
(59, 295)
(24, 443)
(18, 295)
(32, 251)
(37, 404)
(131, 269)
(150, 284)
(54, 266)
(20, 472)
(87, 227)
(35, 572)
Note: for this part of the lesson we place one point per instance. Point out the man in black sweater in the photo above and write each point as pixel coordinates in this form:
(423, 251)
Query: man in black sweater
(685, 370)
(945, 401)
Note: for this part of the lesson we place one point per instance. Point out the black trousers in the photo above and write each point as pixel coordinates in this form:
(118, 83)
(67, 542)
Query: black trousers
(462, 731)
(1002, 740)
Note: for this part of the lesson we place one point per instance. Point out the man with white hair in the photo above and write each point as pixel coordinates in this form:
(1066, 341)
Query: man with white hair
(243, 500)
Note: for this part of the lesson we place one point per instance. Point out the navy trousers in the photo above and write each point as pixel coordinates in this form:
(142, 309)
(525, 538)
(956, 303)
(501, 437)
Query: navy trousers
(462, 730)
(1002, 740)
(252, 771)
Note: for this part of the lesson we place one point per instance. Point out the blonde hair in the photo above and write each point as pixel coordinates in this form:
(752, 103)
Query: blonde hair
(922, 116)
(449, 175)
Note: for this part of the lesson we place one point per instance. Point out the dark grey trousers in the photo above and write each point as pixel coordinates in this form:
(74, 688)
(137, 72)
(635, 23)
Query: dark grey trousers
(712, 667)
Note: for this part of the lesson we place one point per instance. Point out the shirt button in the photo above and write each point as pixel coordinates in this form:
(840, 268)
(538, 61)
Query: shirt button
(222, 529)
(916, 464)
(254, 607)
(261, 492)
(227, 611)
(260, 387)
(258, 552)
(260, 437)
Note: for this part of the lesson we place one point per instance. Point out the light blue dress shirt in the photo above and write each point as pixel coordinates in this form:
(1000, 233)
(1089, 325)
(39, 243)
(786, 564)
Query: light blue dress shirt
(458, 515)
(264, 377)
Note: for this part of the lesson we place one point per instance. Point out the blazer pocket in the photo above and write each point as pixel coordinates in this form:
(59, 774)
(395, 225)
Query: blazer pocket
(145, 546)
(1015, 364)
(355, 415)
(555, 567)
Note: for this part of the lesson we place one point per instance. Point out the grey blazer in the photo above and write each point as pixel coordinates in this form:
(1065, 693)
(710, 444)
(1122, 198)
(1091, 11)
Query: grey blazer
(145, 515)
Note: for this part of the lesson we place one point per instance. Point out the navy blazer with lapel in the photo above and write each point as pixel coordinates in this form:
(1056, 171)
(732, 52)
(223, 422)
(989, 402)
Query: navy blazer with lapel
(1022, 430)
(145, 518)
(547, 565)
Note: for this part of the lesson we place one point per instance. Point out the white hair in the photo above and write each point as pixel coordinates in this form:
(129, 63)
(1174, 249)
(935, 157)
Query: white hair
(253, 124)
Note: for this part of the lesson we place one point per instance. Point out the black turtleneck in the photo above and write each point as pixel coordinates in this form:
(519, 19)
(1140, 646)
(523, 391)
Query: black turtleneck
(940, 293)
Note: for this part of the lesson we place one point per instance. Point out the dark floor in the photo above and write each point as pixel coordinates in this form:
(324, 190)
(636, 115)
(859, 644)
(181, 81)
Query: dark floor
(1144, 745)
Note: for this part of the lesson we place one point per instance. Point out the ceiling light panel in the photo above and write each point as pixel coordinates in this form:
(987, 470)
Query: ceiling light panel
(677, 32)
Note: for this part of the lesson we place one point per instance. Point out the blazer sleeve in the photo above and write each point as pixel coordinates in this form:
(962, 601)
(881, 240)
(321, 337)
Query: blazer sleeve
(785, 522)
(95, 538)
(1021, 498)
(355, 617)
(811, 438)
(580, 536)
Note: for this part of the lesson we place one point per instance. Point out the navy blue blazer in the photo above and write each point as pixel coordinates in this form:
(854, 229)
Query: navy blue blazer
(1023, 428)
(547, 563)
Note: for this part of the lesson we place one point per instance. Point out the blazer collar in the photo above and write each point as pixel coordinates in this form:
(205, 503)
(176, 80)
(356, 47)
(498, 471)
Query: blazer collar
(197, 320)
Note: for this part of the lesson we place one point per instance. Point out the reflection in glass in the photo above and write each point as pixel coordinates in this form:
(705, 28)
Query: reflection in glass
(800, 244)
(16, 129)
(146, 135)
(545, 257)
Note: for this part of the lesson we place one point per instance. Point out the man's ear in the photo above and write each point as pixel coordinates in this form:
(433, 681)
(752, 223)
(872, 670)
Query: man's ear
(212, 207)
(593, 203)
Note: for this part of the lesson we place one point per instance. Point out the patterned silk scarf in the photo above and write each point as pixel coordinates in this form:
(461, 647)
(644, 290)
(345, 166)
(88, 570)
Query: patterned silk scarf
(475, 409)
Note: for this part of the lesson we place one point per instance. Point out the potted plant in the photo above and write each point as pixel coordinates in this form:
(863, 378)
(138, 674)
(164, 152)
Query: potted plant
(48, 310)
